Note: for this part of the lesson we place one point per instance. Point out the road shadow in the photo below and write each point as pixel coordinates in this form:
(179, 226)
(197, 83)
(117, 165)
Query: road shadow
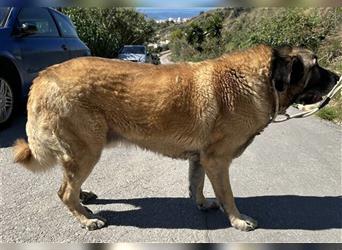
(272, 212)
(15, 131)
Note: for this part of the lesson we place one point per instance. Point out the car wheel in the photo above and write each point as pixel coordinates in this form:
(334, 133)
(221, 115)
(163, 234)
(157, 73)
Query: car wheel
(7, 102)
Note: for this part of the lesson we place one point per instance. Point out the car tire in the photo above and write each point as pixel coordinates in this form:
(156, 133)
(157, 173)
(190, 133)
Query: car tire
(9, 101)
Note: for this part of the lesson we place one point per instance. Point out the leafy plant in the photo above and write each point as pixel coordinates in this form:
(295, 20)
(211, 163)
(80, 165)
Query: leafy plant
(106, 30)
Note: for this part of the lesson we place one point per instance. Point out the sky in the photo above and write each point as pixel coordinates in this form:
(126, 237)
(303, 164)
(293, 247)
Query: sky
(179, 3)
(140, 3)
(171, 3)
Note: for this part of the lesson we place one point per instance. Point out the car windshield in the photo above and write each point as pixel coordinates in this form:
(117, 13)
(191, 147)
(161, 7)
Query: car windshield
(133, 50)
(3, 15)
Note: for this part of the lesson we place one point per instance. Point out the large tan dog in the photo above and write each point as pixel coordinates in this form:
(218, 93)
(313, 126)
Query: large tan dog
(207, 112)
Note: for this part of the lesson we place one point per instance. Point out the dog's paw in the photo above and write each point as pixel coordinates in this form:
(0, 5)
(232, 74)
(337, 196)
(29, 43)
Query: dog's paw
(208, 204)
(86, 196)
(244, 223)
(95, 223)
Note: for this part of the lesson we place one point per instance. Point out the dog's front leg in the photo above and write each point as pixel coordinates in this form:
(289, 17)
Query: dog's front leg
(217, 170)
(196, 184)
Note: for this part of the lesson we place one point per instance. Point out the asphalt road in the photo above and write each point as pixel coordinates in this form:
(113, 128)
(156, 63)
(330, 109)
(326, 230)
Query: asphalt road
(289, 179)
(165, 57)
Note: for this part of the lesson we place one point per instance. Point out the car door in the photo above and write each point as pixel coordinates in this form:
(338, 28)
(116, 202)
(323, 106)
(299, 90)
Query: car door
(43, 48)
(76, 47)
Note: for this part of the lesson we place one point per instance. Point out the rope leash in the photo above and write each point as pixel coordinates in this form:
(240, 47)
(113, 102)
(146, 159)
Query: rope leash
(310, 112)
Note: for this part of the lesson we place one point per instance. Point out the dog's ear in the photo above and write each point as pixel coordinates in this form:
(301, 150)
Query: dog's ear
(287, 70)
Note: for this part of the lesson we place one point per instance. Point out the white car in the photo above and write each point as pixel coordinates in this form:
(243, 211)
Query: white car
(133, 53)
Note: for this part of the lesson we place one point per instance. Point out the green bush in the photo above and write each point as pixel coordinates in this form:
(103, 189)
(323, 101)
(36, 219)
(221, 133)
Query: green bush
(181, 50)
(213, 25)
(106, 30)
(333, 112)
(330, 53)
(294, 27)
(275, 27)
(328, 113)
(199, 39)
(176, 34)
(195, 36)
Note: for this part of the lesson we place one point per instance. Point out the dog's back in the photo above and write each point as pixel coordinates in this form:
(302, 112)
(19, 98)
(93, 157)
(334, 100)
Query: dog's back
(167, 109)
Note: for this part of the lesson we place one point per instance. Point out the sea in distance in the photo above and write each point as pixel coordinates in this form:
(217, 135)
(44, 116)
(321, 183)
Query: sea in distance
(165, 14)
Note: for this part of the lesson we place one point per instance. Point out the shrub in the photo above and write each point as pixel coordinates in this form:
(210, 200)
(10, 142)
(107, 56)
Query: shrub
(271, 26)
(106, 30)
(195, 36)
(294, 27)
(328, 113)
(199, 39)
(176, 34)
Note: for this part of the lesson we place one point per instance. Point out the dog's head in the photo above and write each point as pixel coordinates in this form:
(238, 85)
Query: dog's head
(298, 78)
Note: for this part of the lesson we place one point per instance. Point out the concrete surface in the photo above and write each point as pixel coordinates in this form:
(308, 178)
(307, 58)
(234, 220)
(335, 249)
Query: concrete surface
(289, 179)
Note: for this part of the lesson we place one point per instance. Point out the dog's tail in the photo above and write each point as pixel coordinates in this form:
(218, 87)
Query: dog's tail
(31, 161)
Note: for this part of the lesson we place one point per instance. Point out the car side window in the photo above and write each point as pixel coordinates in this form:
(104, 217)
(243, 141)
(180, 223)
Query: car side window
(65, 25)
(41, 18)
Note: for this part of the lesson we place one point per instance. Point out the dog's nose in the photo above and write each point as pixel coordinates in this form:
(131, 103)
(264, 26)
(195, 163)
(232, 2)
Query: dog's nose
(334, 77)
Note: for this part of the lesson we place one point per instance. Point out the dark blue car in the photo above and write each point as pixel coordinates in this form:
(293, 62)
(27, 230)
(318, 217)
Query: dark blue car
(31, 39)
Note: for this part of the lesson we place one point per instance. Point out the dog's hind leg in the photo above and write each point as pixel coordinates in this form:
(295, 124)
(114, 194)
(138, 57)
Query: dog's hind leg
(82, 144)
(196, 184)
(74, 175)
(86, 196)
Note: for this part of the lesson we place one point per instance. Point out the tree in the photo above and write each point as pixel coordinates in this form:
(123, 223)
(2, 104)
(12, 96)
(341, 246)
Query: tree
(213, 25)
(195, 36)
(106, 30)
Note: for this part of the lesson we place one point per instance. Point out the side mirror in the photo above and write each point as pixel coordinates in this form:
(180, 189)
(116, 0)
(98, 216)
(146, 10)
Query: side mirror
(27, 29)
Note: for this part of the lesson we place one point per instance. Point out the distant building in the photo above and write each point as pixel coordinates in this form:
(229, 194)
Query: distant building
(174, 20)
